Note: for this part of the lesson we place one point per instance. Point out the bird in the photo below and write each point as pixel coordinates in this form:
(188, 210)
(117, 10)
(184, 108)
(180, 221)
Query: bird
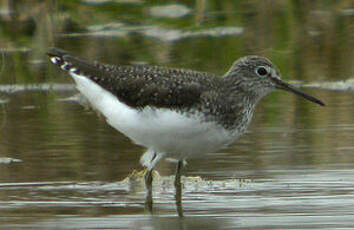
(175, 113)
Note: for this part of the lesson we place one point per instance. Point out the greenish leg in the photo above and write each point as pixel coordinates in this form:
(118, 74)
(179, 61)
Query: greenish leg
(178, 187)
(148, 186)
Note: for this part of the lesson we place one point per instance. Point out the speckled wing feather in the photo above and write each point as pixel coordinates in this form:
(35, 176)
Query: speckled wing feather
(141, 85)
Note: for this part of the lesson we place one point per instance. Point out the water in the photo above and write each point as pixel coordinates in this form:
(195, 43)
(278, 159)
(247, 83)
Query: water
(293, 169)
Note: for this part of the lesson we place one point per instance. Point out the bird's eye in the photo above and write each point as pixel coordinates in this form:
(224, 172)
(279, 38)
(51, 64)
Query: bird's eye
(261, 71)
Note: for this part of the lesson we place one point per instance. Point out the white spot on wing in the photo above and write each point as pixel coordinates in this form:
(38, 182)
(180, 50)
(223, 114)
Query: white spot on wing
(55, 60)
(64, 66)
(73, 70)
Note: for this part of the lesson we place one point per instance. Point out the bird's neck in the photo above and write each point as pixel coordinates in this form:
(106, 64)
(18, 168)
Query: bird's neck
(240, 92)
(242, 89)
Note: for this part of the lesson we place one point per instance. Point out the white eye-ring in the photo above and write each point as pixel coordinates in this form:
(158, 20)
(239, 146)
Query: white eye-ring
(262, 70)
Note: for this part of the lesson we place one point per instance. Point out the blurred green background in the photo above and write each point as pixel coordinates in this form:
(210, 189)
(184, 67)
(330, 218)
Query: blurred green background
(308, 40)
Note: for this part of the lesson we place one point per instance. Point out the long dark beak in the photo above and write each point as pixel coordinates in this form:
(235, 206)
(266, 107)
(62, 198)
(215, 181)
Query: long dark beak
(286, 86)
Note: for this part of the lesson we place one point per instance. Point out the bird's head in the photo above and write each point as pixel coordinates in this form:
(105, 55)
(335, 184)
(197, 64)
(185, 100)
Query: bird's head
(257, 76)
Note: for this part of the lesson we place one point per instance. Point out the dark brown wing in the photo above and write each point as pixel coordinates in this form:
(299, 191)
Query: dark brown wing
(141, 85)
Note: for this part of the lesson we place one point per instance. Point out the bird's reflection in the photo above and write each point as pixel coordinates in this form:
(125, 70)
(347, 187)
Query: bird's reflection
(178, 198)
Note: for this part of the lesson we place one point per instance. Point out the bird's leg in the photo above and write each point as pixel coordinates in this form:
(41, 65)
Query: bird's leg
(178, 187)
(148, 186)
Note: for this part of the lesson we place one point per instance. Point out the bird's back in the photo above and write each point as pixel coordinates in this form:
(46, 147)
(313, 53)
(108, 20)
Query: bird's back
(139, 86)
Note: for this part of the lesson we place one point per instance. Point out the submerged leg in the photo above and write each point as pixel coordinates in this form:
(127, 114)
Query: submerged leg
(149, 160)
(178, 187)
(148, 186)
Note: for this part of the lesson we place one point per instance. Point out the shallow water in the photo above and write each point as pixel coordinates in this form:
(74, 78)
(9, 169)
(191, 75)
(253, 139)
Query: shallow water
(63, 167)
(295, 172)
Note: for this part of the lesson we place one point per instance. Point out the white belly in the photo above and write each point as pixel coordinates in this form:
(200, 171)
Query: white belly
(160, 130)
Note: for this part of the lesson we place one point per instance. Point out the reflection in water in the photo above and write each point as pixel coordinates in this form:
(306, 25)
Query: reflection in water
(148, 179)
(281, 199)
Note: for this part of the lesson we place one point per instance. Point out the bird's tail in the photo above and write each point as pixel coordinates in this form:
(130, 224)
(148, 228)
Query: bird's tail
(76, 65)
(61, 58)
